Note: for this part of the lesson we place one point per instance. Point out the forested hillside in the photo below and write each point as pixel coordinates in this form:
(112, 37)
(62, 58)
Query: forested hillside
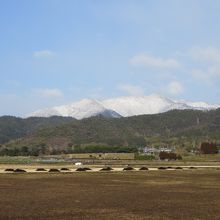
(180, 128)
(14, 127)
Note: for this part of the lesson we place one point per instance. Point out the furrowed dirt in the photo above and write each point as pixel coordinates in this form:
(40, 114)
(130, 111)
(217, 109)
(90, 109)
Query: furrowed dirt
(189, 194)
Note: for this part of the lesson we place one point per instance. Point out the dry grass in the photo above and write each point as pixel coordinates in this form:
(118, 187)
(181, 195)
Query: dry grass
(192, 194)
(122, 156)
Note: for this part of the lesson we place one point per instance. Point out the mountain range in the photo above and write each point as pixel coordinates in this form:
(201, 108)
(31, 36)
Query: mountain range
(122, 107)
(184, 129)
(125, 121)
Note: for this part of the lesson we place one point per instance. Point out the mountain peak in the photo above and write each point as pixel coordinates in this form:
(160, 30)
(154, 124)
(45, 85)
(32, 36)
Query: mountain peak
(122, 106)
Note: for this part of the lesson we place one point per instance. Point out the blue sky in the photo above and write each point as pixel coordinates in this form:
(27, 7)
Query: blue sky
(55, 52)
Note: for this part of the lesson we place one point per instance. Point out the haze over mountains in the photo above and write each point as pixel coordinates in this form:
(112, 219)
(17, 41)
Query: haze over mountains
(122, 107)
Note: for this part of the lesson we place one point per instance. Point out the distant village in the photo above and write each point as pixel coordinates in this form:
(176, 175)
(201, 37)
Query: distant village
(204, 148)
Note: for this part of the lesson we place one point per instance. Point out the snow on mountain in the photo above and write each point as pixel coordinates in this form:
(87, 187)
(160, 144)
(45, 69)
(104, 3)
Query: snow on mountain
(153, 104)
(122, 106)
(201, 105)
(79, 110)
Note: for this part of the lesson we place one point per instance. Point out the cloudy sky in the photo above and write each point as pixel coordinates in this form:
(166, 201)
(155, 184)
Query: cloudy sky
(58, 51)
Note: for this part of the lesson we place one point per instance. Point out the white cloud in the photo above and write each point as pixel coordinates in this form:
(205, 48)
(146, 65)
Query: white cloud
(147, 60)
(49, 93)
(131, 89)
(175, 88)
(206, 76)
(209, 54)
(43, 54)
(209, 70)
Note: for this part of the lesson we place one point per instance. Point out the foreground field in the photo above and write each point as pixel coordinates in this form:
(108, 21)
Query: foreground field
(189, 194)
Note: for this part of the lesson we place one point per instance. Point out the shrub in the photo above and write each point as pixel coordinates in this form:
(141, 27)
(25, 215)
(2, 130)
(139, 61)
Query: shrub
(64, 169)
(80, 169)
(162, 168)
(53, 170)
(40, 169)
(143, 168)
(106, 169)
(179, 157)
(128, 168)
(19, 171)
(9, 170)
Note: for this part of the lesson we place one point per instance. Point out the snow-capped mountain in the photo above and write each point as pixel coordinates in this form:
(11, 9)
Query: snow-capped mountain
(200, 105)
(153, 104)
(83, 109)
(122, 106)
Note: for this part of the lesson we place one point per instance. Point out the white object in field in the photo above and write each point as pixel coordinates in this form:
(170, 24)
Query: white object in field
(78, 163)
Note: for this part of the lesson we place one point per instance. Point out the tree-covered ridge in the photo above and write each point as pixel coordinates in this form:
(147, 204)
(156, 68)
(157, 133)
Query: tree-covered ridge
(14, 127)
(179, 128)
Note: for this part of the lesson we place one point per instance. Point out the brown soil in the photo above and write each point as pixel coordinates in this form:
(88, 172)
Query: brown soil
(192, 194)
